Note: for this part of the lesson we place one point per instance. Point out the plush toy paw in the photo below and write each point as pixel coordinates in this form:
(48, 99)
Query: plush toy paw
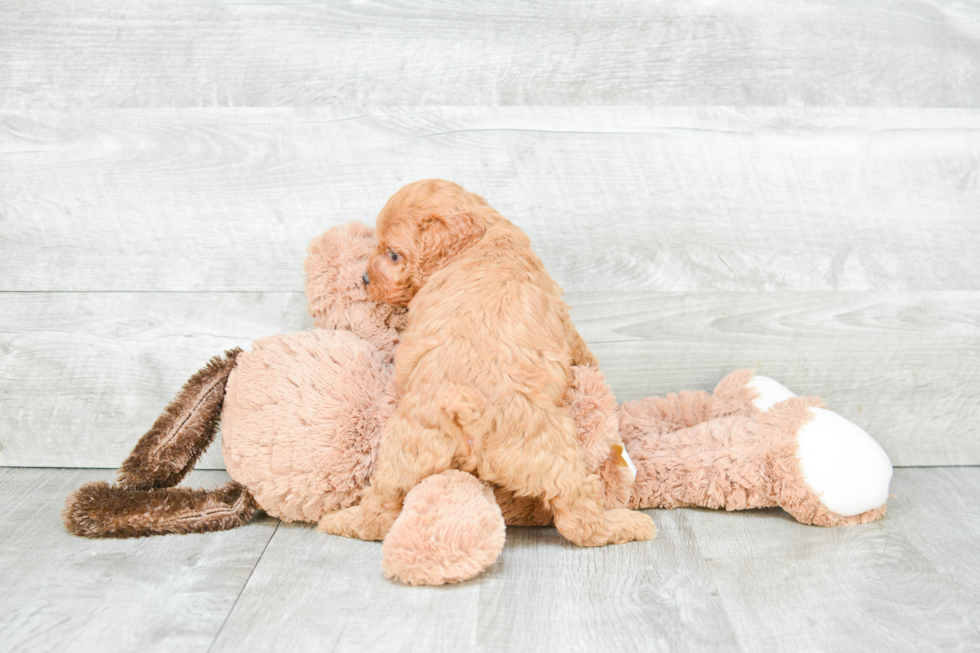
(840, 475)
(450, 530)
(842, 464)
(769, 392)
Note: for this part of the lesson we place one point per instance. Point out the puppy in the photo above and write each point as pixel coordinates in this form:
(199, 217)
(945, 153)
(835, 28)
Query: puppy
(482, 367)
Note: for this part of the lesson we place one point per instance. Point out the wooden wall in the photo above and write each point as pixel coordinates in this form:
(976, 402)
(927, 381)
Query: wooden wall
(788, 186)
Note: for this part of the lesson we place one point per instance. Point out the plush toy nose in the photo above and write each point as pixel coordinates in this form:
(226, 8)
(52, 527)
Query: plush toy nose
(366, 278)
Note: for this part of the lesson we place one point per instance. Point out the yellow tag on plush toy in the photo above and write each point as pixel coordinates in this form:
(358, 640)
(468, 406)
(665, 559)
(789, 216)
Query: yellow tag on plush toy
(623, 459)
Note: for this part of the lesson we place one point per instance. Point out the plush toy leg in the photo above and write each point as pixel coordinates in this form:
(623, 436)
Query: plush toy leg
(450, 530)
(100, 510)
(839, 461)
(819, 467)
(166, 452)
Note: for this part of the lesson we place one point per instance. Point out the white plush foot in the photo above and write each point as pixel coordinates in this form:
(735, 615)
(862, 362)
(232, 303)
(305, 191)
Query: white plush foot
(771, 392)
(842, 464)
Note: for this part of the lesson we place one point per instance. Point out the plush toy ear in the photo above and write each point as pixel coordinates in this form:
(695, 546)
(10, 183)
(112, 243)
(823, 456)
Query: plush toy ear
(335, 292)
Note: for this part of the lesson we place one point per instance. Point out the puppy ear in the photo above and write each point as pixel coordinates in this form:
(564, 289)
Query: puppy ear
(445, 236)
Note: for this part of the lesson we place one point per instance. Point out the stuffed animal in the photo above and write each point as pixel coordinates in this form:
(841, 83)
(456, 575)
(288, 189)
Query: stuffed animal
(302, 415)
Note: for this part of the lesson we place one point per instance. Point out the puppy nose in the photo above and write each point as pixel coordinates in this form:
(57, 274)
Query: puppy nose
(365, 278)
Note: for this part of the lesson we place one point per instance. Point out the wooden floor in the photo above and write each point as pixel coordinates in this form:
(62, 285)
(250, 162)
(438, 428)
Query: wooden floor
(711, 581)
(785, 185)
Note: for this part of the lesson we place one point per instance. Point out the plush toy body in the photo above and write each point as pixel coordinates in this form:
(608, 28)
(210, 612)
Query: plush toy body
(302, 416)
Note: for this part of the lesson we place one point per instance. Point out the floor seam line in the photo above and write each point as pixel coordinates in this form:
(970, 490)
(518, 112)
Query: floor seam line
(242, 590)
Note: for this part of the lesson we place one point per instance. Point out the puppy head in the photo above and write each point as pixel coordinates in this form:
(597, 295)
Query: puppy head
(424, 226)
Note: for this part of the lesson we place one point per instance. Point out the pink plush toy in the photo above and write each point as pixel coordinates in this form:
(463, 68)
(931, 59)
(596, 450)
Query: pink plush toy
(302, 416)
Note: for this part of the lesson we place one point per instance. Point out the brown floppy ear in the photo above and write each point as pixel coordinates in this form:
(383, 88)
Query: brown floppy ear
(446, 236)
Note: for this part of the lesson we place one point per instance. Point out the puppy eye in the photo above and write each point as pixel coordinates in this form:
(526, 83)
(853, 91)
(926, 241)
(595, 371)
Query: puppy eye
(394, 256)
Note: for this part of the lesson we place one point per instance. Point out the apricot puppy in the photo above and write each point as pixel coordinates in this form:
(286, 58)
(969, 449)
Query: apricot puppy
(482, 368)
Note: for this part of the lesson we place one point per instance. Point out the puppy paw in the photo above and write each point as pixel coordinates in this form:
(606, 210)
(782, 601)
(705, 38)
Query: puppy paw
(339, 523)
(629, 526)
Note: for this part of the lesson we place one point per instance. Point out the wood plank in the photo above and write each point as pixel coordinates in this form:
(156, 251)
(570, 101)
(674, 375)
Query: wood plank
(904, 366)
(629, 596)
(791, 587)
(85, 374)
(62, 592)
(951, 548)
(758, 52)
(656, 595)
(749, 581)
(329, 593)
(651, 199)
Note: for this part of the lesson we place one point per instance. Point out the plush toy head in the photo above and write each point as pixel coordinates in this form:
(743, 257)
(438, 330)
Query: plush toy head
(335, 290)
(303, 412)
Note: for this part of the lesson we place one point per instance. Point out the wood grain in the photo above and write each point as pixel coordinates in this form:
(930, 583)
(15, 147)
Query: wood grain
(499, 52)
(634, 596)
(792, 187)
(745, 581)
(950, 548)
(658, 199)
(62, 592)
(85, 374)
(904, 366)
(330, 592)
(749, 581)
(877, 581)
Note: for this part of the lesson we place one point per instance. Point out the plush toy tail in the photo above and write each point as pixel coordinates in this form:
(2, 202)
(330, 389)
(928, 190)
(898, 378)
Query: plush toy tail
(145, 501)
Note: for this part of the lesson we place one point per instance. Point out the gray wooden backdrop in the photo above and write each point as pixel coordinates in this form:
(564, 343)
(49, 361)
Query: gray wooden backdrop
(792, 187)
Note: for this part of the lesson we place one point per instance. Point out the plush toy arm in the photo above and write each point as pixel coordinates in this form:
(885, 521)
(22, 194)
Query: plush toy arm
(658, 415)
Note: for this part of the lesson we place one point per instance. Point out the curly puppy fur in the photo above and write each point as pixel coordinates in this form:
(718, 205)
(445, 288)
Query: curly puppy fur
(483, 366)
